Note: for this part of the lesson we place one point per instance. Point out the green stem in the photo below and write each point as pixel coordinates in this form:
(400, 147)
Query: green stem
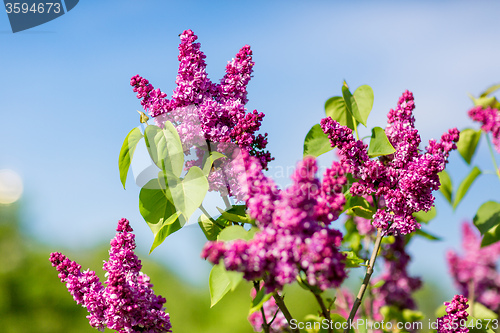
(366, 280)
(281, 304)
(265, 324)
(497, 171)
(324, 310)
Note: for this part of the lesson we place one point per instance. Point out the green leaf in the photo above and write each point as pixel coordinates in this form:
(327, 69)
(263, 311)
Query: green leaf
(235, 214)
(427, 235)
(260, 298)
(440, 311)
(487, 216)
(465, 185)
(482, 312)
(169, 226)
(359, 206)
(467, 144)
(379, 284)
(221, 282)
(165, 148)
(127, 152)
(411, 316)
(425, 217)
(212, 157)
(473, 325)
(336, 108)
(364, 100)
(490, 90)
(316, 142)
(446, 187)
(484, 101)
(159, 213)
(352, 260)
(236, 232)
(186, 194)
(379, 143)
(209, 228)
(491, 236)
(350, 103)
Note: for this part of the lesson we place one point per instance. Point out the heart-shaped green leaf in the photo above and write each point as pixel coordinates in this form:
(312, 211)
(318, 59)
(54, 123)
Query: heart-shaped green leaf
(379, 143)
(316, 142)
(186, 194)
(487, 216)
(221, 282)
(165, 148)
(336, 108)
(467, 143)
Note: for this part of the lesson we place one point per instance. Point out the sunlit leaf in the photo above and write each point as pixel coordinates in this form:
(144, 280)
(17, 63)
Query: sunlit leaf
(260, 298)
(236, 214)
(127, 152)
(336, 108)
(221, 282)
(487, 216)
(364, 100)
(316, 142)
(465, 185)
(165, 148)
(490, 90)
(188, 193)
(446, 187)
(467, 143)
(379, 143)
(425, 217)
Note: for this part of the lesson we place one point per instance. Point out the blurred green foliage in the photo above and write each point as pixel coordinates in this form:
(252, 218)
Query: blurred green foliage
(32, 298)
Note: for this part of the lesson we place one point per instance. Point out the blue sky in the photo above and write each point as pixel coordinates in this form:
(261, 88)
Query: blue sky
(66, 103)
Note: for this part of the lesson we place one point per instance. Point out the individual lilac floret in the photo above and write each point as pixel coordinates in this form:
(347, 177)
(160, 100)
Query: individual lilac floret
(477, 269)
(456, 318)
(128, 303)
(490, 119)
(398, 286)
(272, 312)
(294, 235)
(406, 179)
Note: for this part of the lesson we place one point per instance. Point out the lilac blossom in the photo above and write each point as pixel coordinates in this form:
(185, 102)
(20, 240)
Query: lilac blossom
(294, 234)
(272, 312)
(456, 318)
(476, 270)
(127, 303)
(398, 286)
(490, 119)
(204, 111)
(405, 179)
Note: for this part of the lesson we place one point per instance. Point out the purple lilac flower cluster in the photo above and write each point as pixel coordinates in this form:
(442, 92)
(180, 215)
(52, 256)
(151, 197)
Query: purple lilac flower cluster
(202, 110)
(404, 180)
(476, 269)
(272, 312)
(490, 119)
(453, 321)
(294, 228)
(398, 285)
(128, 303)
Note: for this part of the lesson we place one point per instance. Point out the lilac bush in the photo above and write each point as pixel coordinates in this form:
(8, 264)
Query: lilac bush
(381, 190)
